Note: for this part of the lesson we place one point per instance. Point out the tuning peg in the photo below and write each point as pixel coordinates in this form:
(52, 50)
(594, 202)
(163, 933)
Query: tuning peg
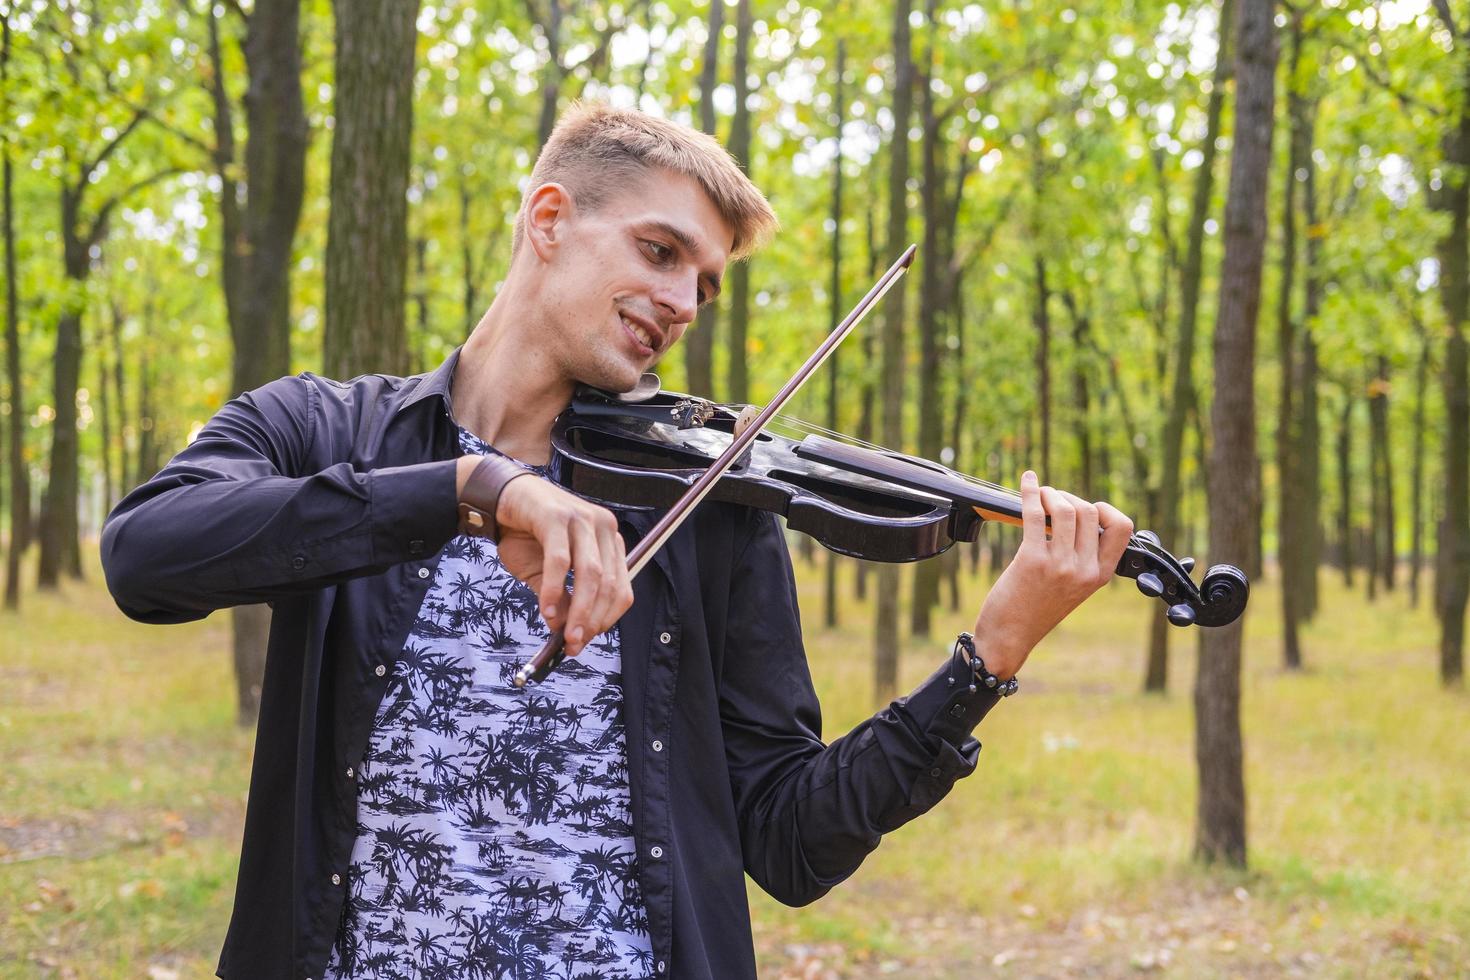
(1187, 564)
(1150, 585)
(1150, 537)
(1181, 615)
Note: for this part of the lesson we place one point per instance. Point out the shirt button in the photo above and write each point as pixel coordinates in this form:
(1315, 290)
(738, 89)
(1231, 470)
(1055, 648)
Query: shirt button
(661, 966)
(658, 746)
(423, 573)
(349, 772)
(957, 711)
(380, 670)
(934, 772)
(298, 563)
(416, 547)
(656, 851)
(665, 638)
(336, 879)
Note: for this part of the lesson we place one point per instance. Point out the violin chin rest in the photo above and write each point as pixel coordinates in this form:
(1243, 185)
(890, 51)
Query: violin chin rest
(647, 386)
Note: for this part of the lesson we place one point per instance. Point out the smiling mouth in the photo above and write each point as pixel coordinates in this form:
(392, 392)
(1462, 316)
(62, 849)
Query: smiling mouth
(645, 339)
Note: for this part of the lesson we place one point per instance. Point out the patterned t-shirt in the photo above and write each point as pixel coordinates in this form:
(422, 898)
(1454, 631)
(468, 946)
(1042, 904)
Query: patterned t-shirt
(494, 835)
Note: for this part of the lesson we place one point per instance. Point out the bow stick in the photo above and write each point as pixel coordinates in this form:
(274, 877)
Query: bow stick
(554, 652)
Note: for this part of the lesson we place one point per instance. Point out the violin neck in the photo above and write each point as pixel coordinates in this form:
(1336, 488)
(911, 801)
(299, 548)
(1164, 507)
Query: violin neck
(990, 502)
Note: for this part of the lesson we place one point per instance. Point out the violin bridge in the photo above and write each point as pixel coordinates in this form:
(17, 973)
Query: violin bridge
(748, 415)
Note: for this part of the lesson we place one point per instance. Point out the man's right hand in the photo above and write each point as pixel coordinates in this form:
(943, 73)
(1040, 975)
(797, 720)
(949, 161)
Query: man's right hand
(546, 532)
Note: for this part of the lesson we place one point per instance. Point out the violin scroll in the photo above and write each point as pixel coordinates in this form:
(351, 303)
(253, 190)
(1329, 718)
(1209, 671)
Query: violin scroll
(1217, 601)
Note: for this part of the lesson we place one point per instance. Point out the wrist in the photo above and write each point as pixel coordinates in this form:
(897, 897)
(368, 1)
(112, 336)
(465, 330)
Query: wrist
(464, 466)
(1001, 655)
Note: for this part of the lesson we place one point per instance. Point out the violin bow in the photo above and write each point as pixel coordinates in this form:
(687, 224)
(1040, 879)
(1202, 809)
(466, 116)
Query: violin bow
(554, 652)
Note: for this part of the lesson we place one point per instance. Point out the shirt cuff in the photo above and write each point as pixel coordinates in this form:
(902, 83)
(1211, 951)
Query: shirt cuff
(945, 707)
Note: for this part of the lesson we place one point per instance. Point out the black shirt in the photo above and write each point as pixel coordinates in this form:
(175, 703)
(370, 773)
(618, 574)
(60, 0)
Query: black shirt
(332, 500)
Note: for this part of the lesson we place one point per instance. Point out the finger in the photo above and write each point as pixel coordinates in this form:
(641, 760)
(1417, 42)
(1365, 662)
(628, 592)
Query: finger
(1063, 519)
(614, 575)
(1033, 514)
(1117, 532)
(556, 559)
(1086, 542)
(586, 584)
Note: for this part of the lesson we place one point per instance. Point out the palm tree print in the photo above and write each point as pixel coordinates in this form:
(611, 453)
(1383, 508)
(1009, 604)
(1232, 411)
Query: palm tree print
(494, 837)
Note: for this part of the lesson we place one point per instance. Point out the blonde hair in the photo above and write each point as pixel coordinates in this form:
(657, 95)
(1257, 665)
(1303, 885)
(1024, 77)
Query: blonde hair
(595, 151)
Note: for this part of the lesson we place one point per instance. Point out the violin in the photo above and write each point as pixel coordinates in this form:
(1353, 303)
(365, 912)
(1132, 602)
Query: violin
(667, 451)
(646, 450)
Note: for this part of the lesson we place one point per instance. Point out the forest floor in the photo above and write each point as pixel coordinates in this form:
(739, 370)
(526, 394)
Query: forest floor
(1066, 854)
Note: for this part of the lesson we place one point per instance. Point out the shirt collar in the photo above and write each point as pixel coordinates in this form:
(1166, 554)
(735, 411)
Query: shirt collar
(436, 382)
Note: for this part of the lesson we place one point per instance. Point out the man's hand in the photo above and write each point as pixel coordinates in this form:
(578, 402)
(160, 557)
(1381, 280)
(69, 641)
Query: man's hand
(1048, 578)
(546, 532)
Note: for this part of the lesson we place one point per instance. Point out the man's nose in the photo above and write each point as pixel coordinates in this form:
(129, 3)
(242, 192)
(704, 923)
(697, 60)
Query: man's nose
(679, 298)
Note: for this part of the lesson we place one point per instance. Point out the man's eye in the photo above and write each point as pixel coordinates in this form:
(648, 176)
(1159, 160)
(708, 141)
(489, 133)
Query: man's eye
(658, 251)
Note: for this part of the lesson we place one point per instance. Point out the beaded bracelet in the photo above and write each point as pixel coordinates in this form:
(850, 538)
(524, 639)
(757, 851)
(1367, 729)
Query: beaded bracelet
(981, 675)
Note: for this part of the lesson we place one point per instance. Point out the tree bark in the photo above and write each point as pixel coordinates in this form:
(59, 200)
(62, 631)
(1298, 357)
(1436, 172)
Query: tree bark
(258, 225)
(699, 343)
(740, 150)
(1182, 395)
(835, 307)
(1345, 489)
(367, 229)
(1234, 496)
(1416, 469)
(885, 636)
(20, 484)
(1383, 519)
(1288, 521)
(931, 194)
(1453, 579)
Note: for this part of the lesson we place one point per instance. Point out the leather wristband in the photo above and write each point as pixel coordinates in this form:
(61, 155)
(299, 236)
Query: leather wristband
(481, 495)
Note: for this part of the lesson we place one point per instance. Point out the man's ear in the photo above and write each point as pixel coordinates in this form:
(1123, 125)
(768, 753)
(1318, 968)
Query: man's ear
(547, 211)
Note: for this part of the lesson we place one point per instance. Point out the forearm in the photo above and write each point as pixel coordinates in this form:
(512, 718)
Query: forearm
(814, 827)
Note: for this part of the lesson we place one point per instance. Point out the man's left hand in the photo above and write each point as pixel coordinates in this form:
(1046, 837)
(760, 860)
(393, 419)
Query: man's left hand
(1050, 575)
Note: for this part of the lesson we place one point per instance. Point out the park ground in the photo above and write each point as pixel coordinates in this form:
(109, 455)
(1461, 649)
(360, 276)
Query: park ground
(1066, 854)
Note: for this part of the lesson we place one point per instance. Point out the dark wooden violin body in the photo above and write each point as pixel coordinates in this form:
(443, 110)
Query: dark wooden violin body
(647, 449)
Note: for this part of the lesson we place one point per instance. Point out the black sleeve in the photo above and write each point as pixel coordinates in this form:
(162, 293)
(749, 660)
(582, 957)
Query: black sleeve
(809, 813)
(243, 514)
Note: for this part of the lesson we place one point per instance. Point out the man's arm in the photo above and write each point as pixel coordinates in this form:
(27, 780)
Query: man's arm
(239, 517)
(810, 813)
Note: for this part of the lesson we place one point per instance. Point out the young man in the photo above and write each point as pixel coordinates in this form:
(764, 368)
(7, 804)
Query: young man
(411, 813)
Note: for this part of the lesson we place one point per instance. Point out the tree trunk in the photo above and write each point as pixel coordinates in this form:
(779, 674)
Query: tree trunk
(926, 573)
(1233, 494)
(60, 544)
(1382, 523)
(699, 343)
(885, 636)
(834, 292)
(258, 234)
(367, 229)
(1182, 395)
(20, 484)
(104, 415)
(1041, 320)
(740, 150)
(1416, 469)
(552, 72)
(1288, 521)
(1345, 489)
(470, 275)
(1308, 428)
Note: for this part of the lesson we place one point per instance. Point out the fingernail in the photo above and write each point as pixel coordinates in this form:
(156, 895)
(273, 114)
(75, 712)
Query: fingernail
(1028, 477)
(575, 635)
(549, 612)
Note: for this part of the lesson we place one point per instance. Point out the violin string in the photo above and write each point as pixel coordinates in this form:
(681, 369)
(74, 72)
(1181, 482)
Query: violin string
(801, 425)
(812, 428)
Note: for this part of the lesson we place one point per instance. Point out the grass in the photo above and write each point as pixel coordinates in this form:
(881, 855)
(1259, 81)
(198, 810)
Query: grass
(1067, 852)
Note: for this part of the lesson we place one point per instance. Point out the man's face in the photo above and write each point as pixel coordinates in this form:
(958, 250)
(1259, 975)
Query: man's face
(625, 280)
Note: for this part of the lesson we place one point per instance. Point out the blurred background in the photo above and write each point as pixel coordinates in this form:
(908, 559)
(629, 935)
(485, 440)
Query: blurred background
(1208, 261)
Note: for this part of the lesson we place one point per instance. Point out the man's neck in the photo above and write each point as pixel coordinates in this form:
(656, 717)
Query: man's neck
(506, 389)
